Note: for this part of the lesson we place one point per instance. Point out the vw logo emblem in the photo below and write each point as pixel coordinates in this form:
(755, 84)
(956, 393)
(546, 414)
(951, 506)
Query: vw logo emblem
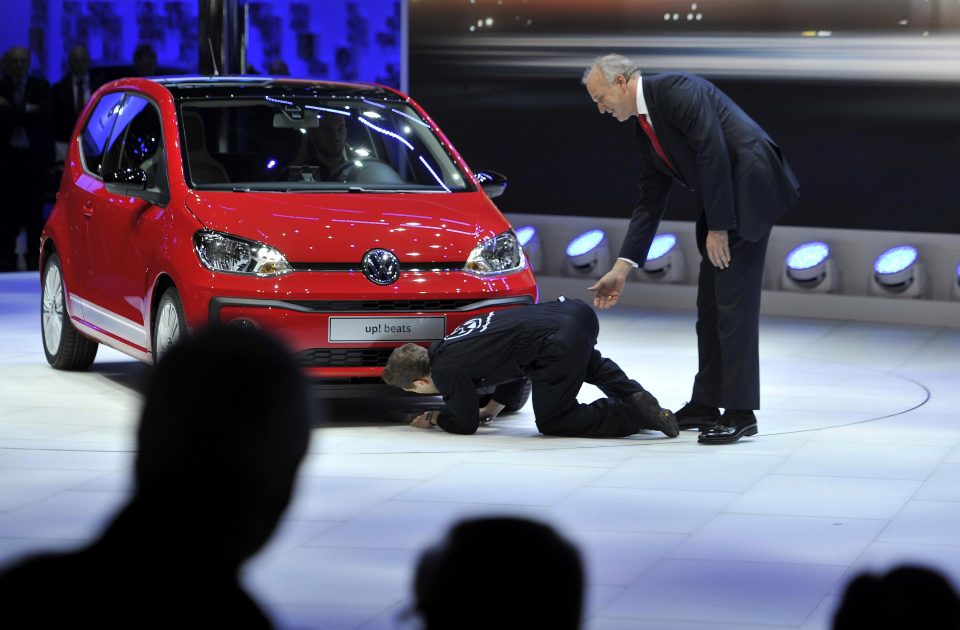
(380, 266)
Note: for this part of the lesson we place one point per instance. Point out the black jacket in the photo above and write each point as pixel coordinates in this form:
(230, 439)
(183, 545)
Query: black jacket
(718, 151)
(499, 349)
(36, 122)
(64, 108)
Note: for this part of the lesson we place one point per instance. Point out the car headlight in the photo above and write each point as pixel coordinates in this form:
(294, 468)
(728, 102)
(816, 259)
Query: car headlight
(232, 254)
(500, 254)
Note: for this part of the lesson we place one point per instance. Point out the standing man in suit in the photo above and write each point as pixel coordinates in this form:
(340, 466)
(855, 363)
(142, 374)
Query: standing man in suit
(27, 154)
(692, 133)
(70, 96)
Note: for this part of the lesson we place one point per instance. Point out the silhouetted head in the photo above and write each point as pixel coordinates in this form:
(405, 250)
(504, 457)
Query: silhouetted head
(16, 62)
(532, 578)
(79, 61)
(225, 425)
(906, 597)
(144, 60)
(278, 67)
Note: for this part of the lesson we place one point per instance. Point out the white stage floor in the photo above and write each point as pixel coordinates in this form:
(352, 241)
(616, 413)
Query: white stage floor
(857, 466)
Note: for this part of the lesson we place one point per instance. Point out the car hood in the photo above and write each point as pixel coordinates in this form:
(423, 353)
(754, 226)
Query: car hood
(340, 228)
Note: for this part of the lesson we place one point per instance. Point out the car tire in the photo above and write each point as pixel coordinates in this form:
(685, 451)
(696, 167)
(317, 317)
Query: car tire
(516, 404)
(64, 347)
(169, 323)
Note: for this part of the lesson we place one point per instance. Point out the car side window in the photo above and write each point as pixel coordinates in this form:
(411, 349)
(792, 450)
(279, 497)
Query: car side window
(95, 133)
(142, 146)
(128, 109)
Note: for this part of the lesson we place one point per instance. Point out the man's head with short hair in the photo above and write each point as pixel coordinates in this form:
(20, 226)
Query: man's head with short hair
(407, 364)
(79, 61)
(905, 597)
(611, 84)
(533, 575)
(145, 60)
(16, 62)
(225, 424)
(610, 66)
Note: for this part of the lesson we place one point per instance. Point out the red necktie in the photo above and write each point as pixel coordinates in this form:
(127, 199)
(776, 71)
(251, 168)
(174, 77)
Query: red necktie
(647, 129)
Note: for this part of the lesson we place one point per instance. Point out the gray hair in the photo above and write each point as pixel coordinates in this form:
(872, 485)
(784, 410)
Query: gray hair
(611, 65)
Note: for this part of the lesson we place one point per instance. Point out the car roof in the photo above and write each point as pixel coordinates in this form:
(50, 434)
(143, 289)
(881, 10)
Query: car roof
(191, 87)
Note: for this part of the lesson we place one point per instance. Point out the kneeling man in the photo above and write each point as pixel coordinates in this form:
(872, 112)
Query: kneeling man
(552, 344)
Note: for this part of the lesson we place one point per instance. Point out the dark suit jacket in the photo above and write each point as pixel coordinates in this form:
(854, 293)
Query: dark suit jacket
(65, 112)
(742, 181)
(36, 123)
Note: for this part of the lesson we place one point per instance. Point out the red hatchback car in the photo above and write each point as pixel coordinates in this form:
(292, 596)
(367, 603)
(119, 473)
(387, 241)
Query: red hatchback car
(334, 215)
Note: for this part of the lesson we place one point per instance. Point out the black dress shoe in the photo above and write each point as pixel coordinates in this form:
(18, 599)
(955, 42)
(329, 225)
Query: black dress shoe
(696, 416)
(652, 415)
(733, 425)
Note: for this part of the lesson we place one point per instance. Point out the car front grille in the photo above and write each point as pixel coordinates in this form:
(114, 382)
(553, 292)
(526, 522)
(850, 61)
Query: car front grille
(366, 306)
(344, 357)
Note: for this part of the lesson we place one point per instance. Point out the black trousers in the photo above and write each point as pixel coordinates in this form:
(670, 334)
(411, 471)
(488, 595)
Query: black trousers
(568, 359)
(23, 187)
(728, 324)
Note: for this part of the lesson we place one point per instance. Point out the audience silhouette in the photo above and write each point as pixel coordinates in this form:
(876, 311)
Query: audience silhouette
(224, 427)
(533, 576)
(906, 597)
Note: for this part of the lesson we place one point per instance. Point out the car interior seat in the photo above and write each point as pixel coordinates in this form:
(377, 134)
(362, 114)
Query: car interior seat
(204, 168)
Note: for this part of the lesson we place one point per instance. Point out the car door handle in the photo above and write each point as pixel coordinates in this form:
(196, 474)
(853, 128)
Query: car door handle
(87, 209)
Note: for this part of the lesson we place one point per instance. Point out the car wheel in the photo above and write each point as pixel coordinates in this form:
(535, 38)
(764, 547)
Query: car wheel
(169, 324)
(65, 347)
(516, 404)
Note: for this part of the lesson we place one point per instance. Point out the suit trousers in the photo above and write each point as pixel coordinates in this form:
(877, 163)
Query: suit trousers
(567, 359)
(728, 324)
(25, 178)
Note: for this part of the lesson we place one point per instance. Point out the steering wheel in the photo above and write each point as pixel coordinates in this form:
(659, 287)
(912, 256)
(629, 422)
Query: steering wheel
(295, 173)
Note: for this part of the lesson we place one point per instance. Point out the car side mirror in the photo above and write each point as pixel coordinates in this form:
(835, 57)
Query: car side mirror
(125, 179)
(132, 182)
(493, 183)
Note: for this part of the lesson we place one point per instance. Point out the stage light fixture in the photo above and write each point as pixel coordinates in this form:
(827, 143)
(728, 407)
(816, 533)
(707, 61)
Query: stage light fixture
(588, 255)
(664, 261)
(956, 284)
(529, 240)
(898, 272)
(808, 267)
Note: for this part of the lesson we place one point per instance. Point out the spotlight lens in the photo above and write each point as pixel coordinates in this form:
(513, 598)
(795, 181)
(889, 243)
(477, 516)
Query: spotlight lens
(662, 245)
(895, 260)
(584, 243)
(808, 255)
(525, 233)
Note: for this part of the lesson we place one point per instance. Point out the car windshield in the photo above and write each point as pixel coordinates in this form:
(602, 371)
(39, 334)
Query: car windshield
(312, 144)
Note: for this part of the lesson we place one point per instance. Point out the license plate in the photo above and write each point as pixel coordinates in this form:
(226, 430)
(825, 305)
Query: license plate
(387, 328)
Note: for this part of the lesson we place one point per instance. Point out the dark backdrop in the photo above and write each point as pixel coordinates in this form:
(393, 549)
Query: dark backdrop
(868, 155)
(863, 96)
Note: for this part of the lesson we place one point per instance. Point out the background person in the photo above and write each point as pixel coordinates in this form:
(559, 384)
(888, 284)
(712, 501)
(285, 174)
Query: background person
(70, 95)
(144, 61)
(27, 155)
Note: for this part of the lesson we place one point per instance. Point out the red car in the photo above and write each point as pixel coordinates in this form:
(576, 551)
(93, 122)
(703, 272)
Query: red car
(335, 215)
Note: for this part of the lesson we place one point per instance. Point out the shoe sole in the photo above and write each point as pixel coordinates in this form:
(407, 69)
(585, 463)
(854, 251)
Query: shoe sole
(729, 439)
(699, 425)
(666, 423)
